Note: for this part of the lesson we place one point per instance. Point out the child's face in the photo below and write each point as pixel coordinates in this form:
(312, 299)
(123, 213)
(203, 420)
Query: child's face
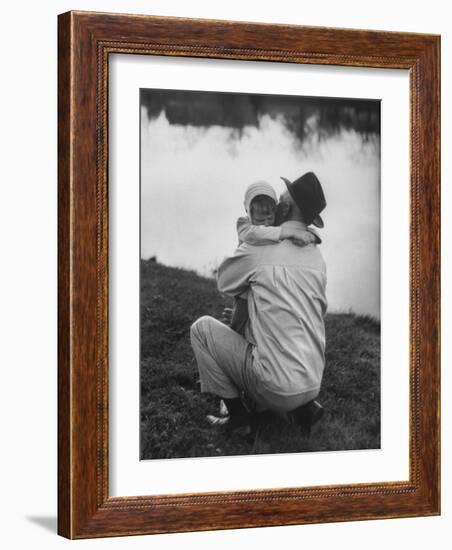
(262, 210)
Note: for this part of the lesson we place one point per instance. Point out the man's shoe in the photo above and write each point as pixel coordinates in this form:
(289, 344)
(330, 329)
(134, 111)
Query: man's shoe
(217, 420)
(307, 416)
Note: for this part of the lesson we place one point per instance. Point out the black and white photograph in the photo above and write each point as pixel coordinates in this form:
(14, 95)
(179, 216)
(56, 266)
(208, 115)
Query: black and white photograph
(225, 227)
(260, 274)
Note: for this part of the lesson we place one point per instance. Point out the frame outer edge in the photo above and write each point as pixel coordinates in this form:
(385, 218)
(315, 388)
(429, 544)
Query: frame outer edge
(64, 290)
(81, 510)
(438, 175)
(426, 236)
(87, 311)
(433, 265)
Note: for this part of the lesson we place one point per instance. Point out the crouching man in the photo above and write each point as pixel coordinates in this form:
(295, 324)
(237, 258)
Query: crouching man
(279, 363)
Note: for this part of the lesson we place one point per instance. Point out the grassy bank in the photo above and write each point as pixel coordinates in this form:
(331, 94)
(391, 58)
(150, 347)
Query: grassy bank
(173, 410)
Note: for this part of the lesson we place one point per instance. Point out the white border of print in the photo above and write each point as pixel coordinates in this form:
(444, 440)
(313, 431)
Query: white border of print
(130, 476)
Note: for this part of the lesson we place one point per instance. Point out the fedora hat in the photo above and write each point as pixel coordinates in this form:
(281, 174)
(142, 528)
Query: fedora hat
(307, 194)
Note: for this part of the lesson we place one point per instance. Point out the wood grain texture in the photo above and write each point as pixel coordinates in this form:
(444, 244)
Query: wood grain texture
(85, 42)
(64, 485)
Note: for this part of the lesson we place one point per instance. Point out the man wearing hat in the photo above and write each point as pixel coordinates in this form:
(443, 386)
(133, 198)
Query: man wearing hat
(279, 363)
(258, 228)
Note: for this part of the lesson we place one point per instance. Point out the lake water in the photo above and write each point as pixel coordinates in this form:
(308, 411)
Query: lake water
(192, 186)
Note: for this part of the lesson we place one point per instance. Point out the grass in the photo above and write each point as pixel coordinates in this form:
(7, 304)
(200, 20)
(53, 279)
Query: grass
(173, 410)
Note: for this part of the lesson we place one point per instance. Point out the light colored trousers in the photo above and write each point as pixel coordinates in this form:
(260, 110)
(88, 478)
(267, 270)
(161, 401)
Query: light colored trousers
(227, 368)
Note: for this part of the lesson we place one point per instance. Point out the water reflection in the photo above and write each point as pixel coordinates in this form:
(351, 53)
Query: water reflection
(192, 186)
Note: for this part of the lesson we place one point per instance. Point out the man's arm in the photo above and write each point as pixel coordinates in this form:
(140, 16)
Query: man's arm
(236, 273)
(239, 315)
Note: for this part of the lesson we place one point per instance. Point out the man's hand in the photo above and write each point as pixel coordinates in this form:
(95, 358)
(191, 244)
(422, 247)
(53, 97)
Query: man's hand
(226, 316)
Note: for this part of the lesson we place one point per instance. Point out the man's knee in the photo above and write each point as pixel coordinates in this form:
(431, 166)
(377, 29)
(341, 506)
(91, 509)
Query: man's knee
(200, 326)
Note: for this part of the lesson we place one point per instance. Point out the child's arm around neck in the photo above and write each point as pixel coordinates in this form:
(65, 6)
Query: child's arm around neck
(261, 235)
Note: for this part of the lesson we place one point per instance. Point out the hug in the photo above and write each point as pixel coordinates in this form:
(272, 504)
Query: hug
(271, 357)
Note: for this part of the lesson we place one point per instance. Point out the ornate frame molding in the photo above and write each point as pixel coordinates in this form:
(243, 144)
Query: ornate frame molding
(85, 42)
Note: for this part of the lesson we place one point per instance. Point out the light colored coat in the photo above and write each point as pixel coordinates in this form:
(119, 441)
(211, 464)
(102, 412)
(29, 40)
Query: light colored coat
(286, 304)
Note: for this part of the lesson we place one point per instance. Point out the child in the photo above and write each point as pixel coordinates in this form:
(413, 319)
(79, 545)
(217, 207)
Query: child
(257, 228)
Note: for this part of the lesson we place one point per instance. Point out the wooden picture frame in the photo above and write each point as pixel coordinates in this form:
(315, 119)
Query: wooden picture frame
(85, 42)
